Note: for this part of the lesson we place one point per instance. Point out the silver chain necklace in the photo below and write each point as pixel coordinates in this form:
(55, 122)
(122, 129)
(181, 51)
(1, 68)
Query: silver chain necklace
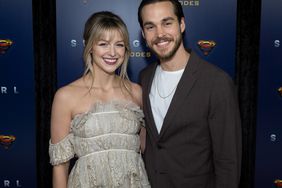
(157, 86)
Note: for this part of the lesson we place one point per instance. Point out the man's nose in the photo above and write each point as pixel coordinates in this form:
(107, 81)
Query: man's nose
(160, 31)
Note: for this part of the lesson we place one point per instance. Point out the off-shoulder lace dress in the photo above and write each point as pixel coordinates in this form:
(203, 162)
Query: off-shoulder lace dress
(106, 142)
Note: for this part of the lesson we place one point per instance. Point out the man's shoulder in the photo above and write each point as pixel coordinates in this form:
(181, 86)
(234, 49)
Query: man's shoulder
(211, 69)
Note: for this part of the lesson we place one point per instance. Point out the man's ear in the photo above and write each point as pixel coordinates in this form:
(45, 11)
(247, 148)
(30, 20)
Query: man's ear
(143, 35)
(182, 25)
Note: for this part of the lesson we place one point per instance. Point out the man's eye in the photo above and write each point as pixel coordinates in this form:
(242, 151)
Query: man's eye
(149, 27)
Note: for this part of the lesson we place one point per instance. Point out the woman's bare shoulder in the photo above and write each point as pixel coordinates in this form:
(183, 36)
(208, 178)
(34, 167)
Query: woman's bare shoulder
(136, 91)
(70, 93)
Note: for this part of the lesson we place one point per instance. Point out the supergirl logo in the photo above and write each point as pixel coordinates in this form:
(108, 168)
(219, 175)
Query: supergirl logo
(5, 44)
(206, 46)
(7, 140)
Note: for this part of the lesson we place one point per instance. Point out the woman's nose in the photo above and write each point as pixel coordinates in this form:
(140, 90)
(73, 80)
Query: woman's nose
(112, 50)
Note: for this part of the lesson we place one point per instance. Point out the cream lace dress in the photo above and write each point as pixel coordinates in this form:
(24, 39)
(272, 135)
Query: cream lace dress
(106, 142)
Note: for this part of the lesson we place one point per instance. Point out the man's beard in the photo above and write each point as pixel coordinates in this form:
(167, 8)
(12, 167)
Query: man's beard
(167, 56)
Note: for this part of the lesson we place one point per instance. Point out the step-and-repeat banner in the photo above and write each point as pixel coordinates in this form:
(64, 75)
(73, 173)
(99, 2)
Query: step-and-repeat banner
(210, 31)
(17, 95)
(269, 125)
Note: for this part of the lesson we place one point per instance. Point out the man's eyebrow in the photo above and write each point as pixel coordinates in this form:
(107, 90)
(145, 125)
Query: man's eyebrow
(148, 23)
(167, 19)
(163, 20)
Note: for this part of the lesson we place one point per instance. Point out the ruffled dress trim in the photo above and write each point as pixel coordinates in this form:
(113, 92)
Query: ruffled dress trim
(62, 151)
(127, 109)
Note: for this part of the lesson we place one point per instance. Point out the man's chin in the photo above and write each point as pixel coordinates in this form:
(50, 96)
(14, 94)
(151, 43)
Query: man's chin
(165, 57)
(162, 54)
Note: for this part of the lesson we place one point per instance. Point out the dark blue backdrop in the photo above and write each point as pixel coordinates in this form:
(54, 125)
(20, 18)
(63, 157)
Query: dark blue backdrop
(269, 124)
(205, 20)
(17, 103)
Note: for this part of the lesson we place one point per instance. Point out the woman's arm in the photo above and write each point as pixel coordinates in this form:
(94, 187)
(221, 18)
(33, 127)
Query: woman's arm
(142, 139)
(60, 128)
(137, 92)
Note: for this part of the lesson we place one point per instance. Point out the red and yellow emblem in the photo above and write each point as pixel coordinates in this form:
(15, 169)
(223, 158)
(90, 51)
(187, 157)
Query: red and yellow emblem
(278, 183)
(280, 91)
(5, 44)
(7, 140)
(206, 46)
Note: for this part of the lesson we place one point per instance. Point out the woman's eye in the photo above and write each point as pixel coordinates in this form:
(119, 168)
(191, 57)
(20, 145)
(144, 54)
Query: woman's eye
(120, 45)
(102, 44)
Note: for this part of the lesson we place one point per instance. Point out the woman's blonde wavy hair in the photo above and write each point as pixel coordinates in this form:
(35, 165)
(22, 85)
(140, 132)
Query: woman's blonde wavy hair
(96, 25)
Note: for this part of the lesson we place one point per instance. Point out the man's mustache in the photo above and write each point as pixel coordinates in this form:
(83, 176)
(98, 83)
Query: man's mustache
(162, 39)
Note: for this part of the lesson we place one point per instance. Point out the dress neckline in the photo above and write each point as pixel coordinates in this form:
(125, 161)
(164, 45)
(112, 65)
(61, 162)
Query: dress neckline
(117, 102)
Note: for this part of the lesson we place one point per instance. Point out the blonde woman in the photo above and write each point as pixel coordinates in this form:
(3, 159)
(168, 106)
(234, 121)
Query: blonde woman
(98, 117)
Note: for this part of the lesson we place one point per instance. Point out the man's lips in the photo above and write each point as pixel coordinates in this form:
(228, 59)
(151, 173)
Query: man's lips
(162, 42)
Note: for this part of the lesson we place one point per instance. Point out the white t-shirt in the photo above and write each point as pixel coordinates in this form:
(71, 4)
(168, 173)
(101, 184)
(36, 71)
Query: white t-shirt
(162, 91)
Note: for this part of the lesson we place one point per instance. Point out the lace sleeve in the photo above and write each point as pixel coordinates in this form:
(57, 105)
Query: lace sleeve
(62, 151)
